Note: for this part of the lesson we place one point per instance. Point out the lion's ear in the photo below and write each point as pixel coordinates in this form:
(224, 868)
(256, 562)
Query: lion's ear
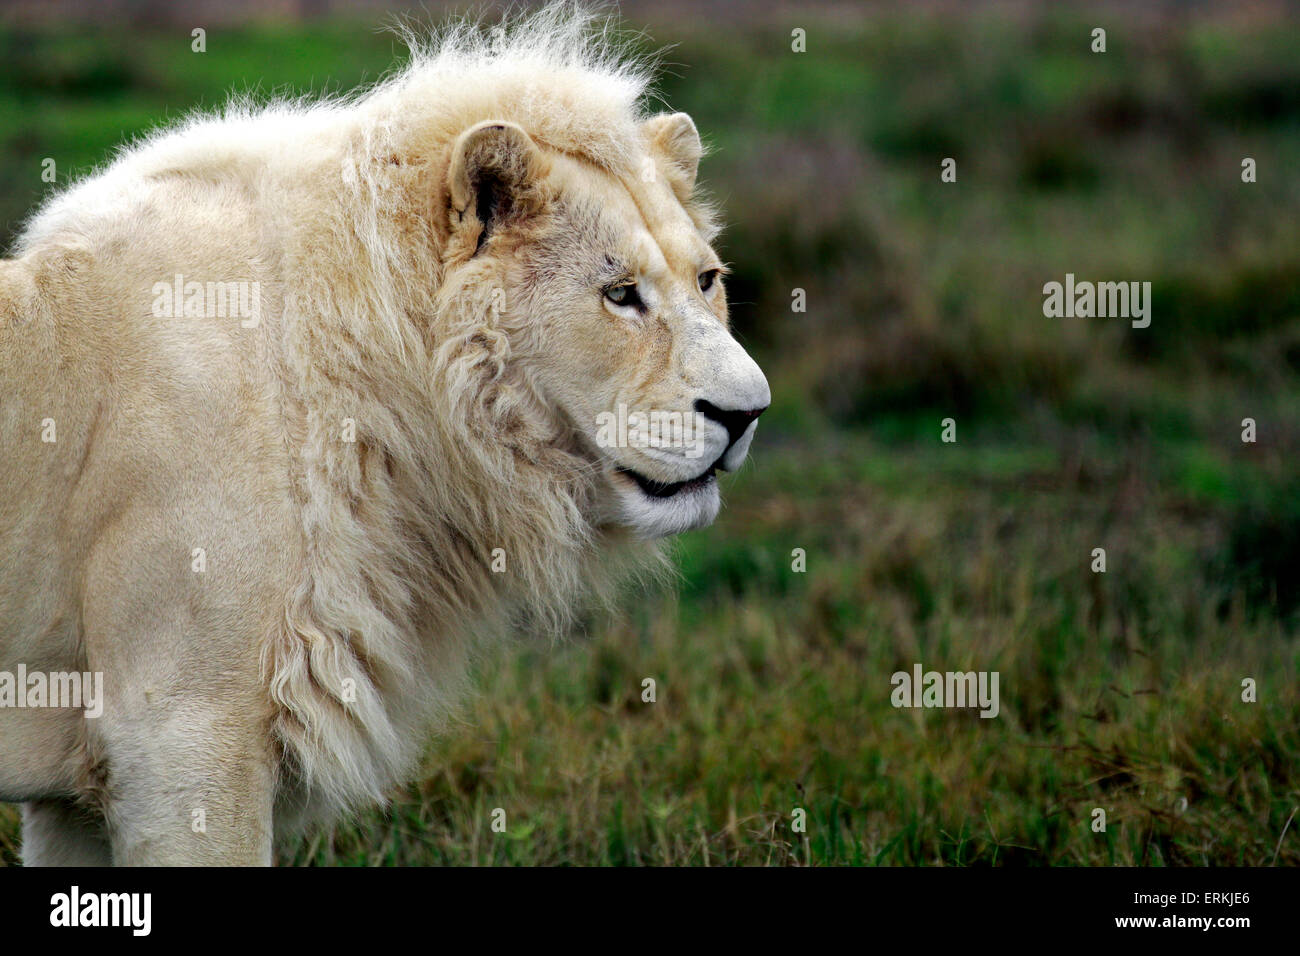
(674, 138)
(494, 168)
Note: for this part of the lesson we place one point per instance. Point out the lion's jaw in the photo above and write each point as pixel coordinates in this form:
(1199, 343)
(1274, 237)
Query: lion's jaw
(668, 484)
(659, 517)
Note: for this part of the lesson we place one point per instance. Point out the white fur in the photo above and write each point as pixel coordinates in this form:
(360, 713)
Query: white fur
(348, 582)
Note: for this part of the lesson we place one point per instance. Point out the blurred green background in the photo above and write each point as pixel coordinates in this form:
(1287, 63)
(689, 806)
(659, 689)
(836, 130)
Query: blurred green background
(1119, 690)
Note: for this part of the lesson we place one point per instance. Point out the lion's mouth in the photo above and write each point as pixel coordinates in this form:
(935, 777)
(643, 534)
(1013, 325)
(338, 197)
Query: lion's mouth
(659, 489)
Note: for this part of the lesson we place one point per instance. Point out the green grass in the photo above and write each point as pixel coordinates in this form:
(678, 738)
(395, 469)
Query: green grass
(1119, 691)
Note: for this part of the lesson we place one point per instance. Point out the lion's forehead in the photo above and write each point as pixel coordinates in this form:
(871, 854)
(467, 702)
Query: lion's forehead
(632, 217)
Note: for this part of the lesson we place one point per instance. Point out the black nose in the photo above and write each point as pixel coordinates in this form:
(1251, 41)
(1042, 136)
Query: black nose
(734, 421)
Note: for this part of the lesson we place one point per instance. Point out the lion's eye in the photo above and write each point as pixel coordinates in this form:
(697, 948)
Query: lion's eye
(624, 294)
(707, 279)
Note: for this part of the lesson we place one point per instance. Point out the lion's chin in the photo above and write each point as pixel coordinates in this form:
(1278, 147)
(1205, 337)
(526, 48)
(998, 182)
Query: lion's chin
(651, 516)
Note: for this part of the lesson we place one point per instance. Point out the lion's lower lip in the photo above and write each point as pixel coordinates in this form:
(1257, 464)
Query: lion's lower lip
(658, 489)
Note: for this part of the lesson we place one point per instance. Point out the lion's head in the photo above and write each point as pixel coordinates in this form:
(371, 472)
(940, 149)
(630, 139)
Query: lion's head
(624, 327)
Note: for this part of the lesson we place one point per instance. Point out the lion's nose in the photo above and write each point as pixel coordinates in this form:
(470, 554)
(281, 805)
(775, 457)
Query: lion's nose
(734, 420)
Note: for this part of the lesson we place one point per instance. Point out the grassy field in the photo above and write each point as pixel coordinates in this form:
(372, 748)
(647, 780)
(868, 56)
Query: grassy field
(1120, 691)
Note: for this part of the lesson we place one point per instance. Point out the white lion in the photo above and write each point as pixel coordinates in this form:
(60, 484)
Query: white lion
(303, 404)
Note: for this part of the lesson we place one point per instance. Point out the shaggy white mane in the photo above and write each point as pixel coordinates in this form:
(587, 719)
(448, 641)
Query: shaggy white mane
(456, 453)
